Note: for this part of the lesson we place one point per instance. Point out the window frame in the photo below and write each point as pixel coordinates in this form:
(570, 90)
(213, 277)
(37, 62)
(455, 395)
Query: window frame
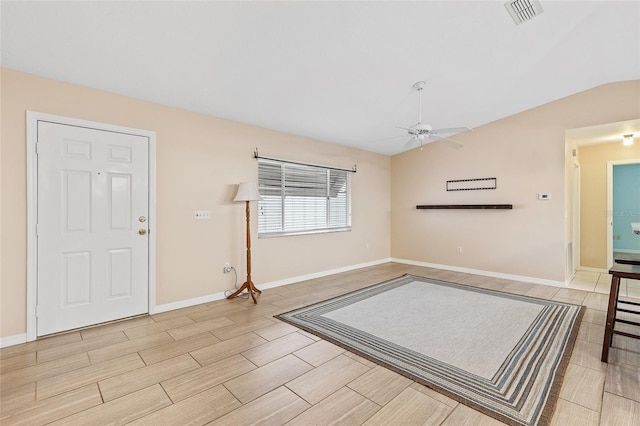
(283, 164)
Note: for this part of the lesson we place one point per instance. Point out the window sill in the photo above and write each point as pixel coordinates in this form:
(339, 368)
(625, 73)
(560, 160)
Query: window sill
(294, 233)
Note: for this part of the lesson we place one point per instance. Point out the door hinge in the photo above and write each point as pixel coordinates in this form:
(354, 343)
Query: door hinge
(37, 311)
(37, 229)
(37, 148)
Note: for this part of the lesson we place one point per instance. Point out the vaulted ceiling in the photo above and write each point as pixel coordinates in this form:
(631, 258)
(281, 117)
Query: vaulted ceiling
(340, 72)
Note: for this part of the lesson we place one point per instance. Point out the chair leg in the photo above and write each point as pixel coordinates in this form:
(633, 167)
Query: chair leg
(611, 316)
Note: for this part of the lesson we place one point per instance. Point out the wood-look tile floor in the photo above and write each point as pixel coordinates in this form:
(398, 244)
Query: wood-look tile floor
(231, 363)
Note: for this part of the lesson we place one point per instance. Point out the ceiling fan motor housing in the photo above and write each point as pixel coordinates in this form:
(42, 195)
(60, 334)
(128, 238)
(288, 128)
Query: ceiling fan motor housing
(423, 128)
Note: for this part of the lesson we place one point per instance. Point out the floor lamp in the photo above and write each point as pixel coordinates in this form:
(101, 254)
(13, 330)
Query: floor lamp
(247, 192)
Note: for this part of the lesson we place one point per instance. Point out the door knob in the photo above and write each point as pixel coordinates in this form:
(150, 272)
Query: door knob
(142, 231)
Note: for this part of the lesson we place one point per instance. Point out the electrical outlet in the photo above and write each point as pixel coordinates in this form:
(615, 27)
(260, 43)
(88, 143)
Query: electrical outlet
(227, 267)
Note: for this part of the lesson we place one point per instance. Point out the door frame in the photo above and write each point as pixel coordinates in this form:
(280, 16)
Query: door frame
(576, 216)
(32, 205)
(610, 212)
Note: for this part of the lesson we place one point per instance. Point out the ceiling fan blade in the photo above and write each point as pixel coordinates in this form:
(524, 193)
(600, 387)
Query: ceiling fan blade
(450, 143)
(451, 130)
(410, 142)
(410, 130)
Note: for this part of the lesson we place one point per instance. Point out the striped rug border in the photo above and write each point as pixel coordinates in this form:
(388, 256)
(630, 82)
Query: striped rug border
(551, 334)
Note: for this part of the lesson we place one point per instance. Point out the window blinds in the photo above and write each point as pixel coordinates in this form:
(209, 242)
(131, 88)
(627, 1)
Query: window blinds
(300, 198)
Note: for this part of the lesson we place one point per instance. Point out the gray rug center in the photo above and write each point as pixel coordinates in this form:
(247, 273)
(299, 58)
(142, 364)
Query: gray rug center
(468, 330)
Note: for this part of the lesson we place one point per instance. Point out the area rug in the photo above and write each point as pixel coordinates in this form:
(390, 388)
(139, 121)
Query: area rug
(499, 353)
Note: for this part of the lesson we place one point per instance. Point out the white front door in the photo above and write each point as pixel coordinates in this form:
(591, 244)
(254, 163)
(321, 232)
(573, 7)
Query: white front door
(92, 226)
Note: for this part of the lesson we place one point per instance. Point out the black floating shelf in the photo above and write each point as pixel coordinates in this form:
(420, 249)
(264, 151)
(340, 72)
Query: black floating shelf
(465, 206)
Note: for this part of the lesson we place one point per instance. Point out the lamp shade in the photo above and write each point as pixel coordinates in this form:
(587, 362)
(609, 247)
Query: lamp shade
(247, 191)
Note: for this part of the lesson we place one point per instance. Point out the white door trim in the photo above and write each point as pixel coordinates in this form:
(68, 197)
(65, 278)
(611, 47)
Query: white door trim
(576, 216)
(32, 205)
(610, 212)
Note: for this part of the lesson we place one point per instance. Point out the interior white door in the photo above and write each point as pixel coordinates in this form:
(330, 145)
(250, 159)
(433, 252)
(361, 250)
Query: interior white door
(93, 248)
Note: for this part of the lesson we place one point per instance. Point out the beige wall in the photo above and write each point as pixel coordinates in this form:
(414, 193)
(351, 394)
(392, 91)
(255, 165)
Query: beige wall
(200, 159)
(526, 152)
(593, 198)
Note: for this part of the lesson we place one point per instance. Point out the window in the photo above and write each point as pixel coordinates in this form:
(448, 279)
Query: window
(299, 199)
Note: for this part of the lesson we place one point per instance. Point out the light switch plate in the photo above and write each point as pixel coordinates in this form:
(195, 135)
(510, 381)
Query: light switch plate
(202, 214)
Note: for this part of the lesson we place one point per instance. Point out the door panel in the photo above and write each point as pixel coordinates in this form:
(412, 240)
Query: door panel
(76, 200)
(76, 278)
(120, 202)
(92, 262)
(119, 273)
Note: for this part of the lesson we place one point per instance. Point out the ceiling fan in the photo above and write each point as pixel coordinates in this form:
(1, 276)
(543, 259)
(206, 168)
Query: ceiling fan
(424, 133)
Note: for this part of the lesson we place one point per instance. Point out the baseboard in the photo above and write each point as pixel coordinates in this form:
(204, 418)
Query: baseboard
(13, 340)
(299, 278)
(590, 269)
(263, 286)
(533, 280)
(188, 302)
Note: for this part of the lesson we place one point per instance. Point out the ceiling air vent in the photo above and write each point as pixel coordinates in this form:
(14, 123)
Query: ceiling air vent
(523, 10)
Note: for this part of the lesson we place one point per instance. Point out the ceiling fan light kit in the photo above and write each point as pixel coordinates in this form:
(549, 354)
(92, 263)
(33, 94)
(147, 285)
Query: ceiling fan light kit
(425, 133)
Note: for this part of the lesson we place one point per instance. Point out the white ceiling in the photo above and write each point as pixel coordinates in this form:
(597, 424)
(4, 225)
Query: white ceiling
(340, 72)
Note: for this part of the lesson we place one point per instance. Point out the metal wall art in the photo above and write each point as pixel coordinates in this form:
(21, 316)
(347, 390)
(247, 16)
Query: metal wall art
(472, 184)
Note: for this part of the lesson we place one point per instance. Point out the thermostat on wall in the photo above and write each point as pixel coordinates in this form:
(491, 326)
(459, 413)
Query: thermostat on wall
(544, 196)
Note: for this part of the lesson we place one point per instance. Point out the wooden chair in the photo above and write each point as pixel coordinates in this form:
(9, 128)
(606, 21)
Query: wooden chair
(618, 271)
